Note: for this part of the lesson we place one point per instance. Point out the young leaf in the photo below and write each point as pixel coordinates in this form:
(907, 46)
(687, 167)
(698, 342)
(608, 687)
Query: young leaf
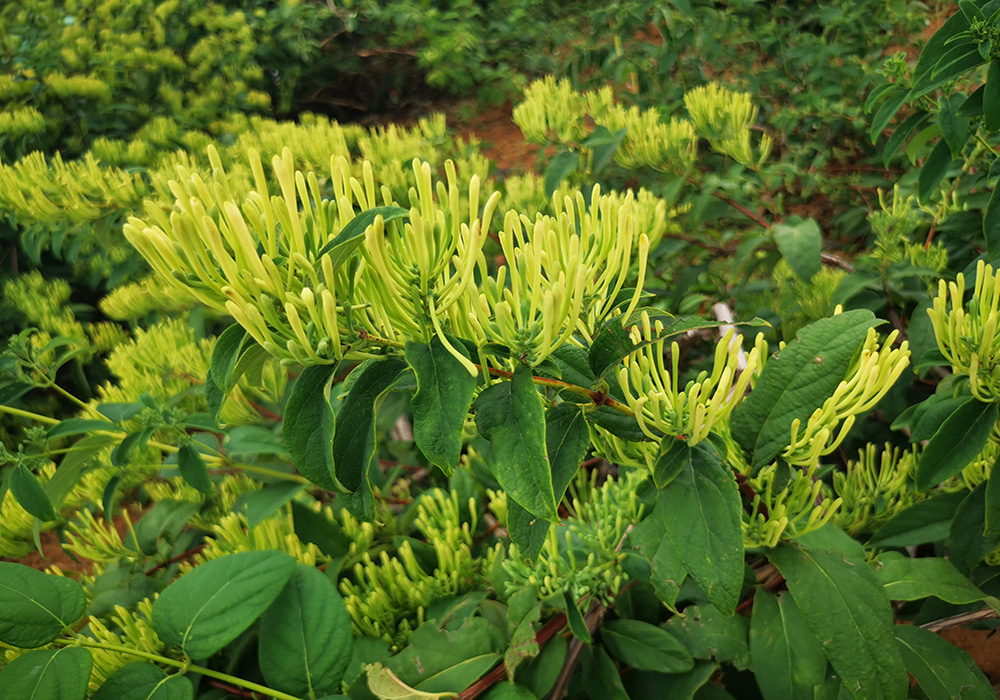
(30, 495)
(674, 455)
(144, 681)
(49, 674)
(846, 609)
(904, 578)
(441, 402)
(35, 607)
(960, 438)
(933, 170)
(645, 647)
(991, 97)
(943, 671)
(564, 163)
(353, 234)
(211, 605)
(523, 613)
(800, 245)
(510, 415)
(226, 352)
(797, 381)
(354, 439)
(194, 470)
(76, 426)
(305, 636)
(575, 619)
(701, 511)
(308, 427)
(788, 660)
(387, 686)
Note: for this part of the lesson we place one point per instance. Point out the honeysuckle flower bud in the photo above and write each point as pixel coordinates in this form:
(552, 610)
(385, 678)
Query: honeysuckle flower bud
(967, 333)
(797, 508)
(875, 487)
(725, 118)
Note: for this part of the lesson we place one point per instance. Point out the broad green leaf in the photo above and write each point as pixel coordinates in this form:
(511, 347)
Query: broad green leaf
(575, 620)
(967, 542)
(574, 367)
(305, 636)
(308, 427)
(954, 128)
(261, 505)
(74, 465)
(353, 234)
(76, 426)
(991, 97)
(225, 354)
(36, 607)
(708, 634)
(30, 494)
(600, 675)
(354, 439)
(924, 521)
(674, 455)
(441, 402)
(540, 674)
(616, 423)
(560, 167)
(847, 610)
(527, 531)
(991, 224)
(797, 381)
(905, 578)
(387, 686)
(801, 245)
(510, 415)
(523, 613)
(210, 606)
(701, 511)
(194, 470)
(645, 647)
(650, 539)
(943, 671)
(144, 681)
(933, 170)
(567, 439)
(439, 660)
(49, 674)
(788, 660)
(956, 443)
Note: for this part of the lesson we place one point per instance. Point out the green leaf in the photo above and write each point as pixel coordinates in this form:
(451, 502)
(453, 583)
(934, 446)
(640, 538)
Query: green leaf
(194, 470)
(797, 381)
(885, 113)
(616, 423)
(991, 97)
(210, 606)
(645, 647)
(76, 426)
(943, 671)
(708, 634)
(353, 234)
(541, 673)
(800, 245)
(439, 660)
(144, 681)
(305, 636)
(701, 511)
(354, 439)
(992, 504)
(30, 495)
(441, 402)
(575, 619)
(847, 610)
(527, 531)
(604, 145)
(225, 354)
(523, 613)
(74, 464)
(904, 578)
(214, 398)
(933, 170)
(49, 674)
(956, 443)
(261, 505)
(924, 521)
(674, 455)
(567, 439)
(35, 607)
(510, 415)
(900, 133)
(991, 224)
(788, 660)
(309, 425)
(967, 542)
(509, 691)
(600, 675)
(387, 686)
(954, 128)
(564, 163)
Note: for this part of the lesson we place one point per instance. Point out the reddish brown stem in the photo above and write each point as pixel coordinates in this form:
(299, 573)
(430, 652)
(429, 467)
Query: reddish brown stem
(180, 557)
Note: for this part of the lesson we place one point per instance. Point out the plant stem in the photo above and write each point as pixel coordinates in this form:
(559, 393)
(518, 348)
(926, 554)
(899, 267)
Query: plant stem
(166, 661)
(28, 414)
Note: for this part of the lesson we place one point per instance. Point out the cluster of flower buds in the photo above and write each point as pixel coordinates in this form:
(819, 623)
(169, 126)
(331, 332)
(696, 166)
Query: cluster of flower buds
(726, 119)
(653, 392)
(875, 487)
(967, 333)
(796, 507)
(868, 379)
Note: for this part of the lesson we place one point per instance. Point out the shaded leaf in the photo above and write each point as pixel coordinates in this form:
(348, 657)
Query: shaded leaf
(942, 670)
(30, 495)
(194, 470)
(309, 425)
(905, 578)
(144, 681)
(956, 443)
(788, 660)
(49, 674)
(800, 245)
(645, 647)
(35, 607)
